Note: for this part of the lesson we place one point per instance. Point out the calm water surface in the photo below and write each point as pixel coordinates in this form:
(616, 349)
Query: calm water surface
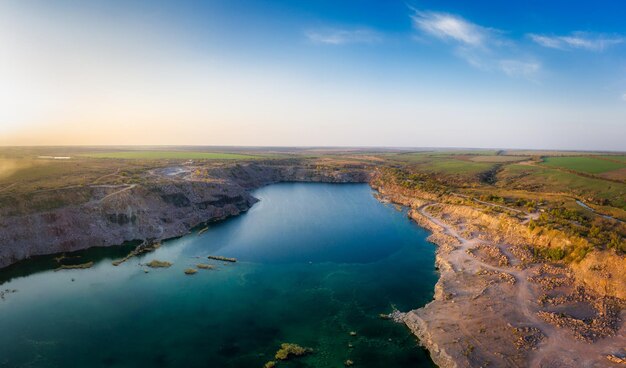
(316, 261)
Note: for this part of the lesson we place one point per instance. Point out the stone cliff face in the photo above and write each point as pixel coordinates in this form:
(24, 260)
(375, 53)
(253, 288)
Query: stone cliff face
(137, 213)
(159, 209)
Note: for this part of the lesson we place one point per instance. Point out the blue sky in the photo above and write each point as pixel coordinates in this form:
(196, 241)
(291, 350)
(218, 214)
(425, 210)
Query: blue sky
(527, 74)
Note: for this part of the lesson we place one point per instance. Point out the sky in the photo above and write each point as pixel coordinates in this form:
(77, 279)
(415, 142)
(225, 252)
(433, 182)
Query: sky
(492, 74)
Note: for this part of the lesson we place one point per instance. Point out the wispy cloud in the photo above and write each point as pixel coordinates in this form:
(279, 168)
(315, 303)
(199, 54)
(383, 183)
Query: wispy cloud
(482, 47)
(448, 26)
(577, 40)
(517, 68)
(624, 97)
(343, 36)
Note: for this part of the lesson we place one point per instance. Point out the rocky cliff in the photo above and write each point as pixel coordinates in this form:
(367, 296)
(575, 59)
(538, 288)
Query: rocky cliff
(160, 207)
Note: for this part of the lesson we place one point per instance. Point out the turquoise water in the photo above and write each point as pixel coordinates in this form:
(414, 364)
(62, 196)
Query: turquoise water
(316, 261)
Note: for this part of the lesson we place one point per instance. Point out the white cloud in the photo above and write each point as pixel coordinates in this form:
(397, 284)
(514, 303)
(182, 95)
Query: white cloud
(546, 41)
(343, 36)
(448, 26)
(624, 97)
(577, 40)
(518, 68)
(481, 47)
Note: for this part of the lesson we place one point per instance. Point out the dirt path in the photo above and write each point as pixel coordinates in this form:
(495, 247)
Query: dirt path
(116, 173)
(490, 204)
(7, 187)
(127, 188)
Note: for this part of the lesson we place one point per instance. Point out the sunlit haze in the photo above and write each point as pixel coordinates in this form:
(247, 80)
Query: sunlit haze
(430, 73)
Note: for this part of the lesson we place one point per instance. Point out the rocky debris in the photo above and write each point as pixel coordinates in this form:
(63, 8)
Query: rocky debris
(546, 299)
(353, 333)
(605, 323)
(270, 364)
(615, 359)
(396, 316)
(75, 267)
(549, 277)
(501, 276)
(523, 254)
(489, 254)
(528, 338)
(579, 294)
(348, 363)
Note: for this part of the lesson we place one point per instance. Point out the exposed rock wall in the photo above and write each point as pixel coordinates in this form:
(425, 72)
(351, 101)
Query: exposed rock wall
(78, 218)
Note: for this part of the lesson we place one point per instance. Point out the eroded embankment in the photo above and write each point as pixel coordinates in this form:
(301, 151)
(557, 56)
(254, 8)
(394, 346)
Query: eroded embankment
(496, 304)
(161, 207)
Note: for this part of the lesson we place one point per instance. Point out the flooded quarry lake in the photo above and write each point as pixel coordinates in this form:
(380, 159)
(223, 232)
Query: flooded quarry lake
(317, 265)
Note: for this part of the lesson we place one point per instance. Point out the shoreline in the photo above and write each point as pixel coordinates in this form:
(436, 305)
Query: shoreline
(494, 302)
(486, 309)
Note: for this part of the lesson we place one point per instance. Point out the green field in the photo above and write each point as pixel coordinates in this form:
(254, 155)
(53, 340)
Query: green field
(583, 164)
(171, 155)
(499, 158)
(620, 158)
(454, 166)
(445, 164)
(544, 179)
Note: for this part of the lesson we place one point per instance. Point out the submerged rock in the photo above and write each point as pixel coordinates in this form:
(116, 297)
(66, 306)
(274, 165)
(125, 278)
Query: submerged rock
(190, 271)
(287, 350)
(220, 258)
(155, 263)
(144, 247)
(75, 267)
(5, 292)
(204, 266)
